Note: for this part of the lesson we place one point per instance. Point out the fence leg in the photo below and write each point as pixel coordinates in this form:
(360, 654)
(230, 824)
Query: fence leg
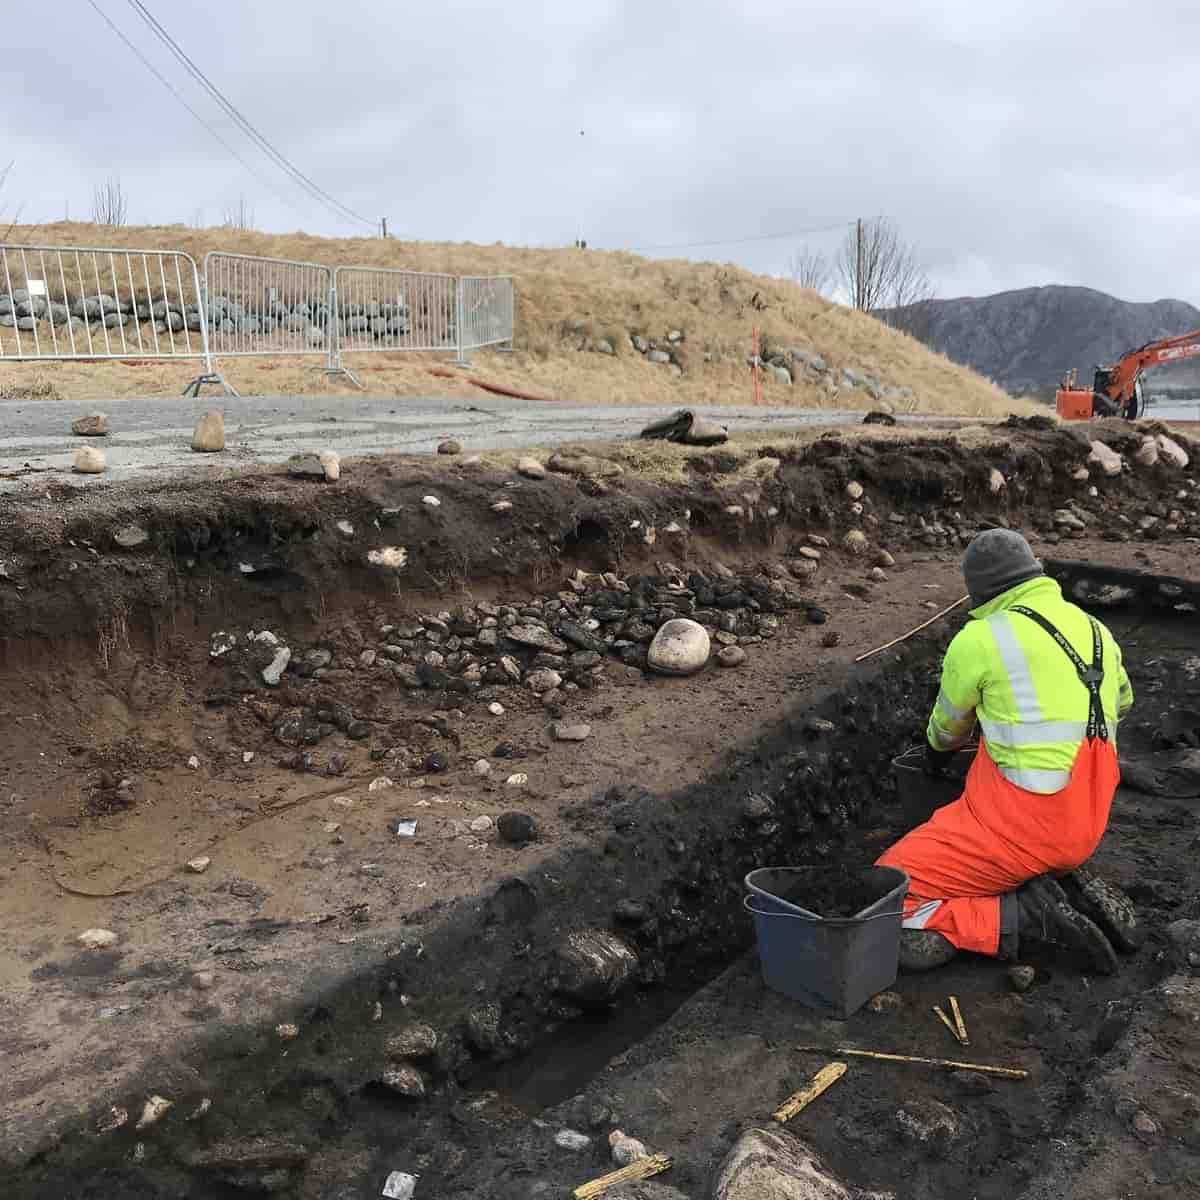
(460, 359)
(210, 374)
(333, 364)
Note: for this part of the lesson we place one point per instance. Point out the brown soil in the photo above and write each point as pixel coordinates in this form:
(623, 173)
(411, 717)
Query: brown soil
(834, 891)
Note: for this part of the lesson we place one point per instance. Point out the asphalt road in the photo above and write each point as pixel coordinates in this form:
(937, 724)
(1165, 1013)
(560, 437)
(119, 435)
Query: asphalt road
(153, 436)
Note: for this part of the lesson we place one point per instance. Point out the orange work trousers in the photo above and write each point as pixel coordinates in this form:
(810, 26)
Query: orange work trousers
(994, 838)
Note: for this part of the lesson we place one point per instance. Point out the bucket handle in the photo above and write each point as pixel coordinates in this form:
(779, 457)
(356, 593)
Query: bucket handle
(748, 905)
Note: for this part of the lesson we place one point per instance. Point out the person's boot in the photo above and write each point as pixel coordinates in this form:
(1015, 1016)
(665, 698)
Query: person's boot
(1046, 915)
(923, 949)
(1105, 905)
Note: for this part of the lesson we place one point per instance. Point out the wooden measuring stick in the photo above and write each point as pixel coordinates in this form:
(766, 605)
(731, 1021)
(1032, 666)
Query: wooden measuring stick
(945, 1020)
(947, 1064)
(822, 1081)
(905, 636)
(642, 1168)
(959, 1023)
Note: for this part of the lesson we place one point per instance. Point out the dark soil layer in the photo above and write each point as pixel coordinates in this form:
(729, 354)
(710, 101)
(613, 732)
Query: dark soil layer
(835, 891)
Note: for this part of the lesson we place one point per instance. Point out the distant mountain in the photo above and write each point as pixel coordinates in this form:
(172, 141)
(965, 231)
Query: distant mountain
(1026, 340)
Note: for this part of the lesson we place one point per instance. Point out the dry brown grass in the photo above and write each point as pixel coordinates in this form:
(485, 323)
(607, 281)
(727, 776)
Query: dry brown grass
(609, 292)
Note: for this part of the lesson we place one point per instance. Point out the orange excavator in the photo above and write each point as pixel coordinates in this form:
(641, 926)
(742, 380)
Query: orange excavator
(1117, 390)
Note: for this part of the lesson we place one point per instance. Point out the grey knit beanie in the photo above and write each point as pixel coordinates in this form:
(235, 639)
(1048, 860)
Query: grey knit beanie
(996, 560)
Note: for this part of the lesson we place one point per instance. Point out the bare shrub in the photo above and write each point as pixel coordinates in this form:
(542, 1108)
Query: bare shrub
(109, 205)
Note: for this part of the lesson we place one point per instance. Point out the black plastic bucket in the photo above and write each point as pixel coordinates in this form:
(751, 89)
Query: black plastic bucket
(833, 964)
(921, 795)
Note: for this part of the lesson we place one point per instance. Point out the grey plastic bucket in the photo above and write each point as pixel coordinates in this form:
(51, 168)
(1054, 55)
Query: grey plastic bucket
(833, 964)
(921, 795)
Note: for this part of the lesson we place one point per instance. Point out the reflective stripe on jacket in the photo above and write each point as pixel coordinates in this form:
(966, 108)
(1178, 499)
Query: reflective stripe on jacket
(1005, 671)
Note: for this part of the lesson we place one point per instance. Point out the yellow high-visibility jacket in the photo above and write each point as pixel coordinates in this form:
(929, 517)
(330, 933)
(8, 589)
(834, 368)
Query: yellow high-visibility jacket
(1008, 673)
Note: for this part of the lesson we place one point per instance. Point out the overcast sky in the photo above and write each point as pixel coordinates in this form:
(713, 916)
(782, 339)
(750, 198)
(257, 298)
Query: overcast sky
(1019, 143)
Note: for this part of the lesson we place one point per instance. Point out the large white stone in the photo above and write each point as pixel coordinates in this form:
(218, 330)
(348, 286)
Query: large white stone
(680, 647)
(766, 1164)
(1106, 458)
(1146, 454)
(89, 461)
(209, 434)
(1171, 451)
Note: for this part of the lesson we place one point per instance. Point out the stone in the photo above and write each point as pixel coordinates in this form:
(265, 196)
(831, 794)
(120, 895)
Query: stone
(537, 637)
(626, 1149)
(816, 616)
(516, 828)
(413, 1041)
(1184, 936)
(89, 461)
(390, 558)
(530, 468)
(831, 639)
(885, 1002)
(431, 502)
(209, 434)
(287, 1031)
(404, 1081)
(568, 1139)
(680, 647)
(482, 768)
(517, 780)
(855, 541)
(658, 356)
(544, 680)
(854, 490)
(199, 865)
(325, 466)
(380, 784)
(877, 575)
(881, 558)
(567, 732)
(204, 981)
(129, 536)
(93, 425)
(929, 1123)
(1171, 452)
(780, 375)
(331, 465)
(481, 824)
(1145, 1127)
(273, 671)
(768, 1164)
(153, 1111)
(593, 967)
(576, 462)
(810, 552)
(731, 656)
(1021, 977)
(1146, 454)
(1104, 457)
(502, 506)
(97, 939)
(496, 708)
(483, 1028)
(450, 446)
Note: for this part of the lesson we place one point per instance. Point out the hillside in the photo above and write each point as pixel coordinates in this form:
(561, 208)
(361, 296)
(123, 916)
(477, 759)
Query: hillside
(568, 302)
(1025, 340)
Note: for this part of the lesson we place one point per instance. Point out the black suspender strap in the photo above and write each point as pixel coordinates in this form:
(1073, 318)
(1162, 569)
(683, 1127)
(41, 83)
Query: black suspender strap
(1091, 677)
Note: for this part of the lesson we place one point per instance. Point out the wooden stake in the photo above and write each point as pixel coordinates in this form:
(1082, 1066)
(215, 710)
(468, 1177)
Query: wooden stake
(905, 636)
(822, 1081)
(642, 1168)
(959, 1023)
(947, 1064)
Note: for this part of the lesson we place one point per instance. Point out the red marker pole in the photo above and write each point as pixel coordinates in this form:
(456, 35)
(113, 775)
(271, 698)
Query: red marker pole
(754, 353)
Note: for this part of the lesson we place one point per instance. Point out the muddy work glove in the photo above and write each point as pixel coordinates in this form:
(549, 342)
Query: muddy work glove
(937, 762)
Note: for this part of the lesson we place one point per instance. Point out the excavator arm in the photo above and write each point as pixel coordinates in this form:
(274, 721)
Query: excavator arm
(1116, 388)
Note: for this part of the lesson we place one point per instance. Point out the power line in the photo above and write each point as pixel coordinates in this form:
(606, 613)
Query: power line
(175, 92)
(759, 237)
(313, 189)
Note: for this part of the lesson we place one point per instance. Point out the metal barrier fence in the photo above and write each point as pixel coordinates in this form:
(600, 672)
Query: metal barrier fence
(485, 311)
(384, 309)
(266, 306)
(58, 303)
(61, 303)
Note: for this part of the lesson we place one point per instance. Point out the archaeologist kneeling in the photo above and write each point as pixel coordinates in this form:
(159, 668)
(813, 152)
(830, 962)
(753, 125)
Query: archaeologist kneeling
(1045, 682)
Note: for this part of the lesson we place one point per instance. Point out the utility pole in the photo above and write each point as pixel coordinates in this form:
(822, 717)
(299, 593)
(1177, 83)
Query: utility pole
(859, 298)
(383, 227)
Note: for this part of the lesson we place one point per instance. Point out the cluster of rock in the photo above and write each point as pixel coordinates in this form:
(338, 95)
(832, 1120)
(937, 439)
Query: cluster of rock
(91, 313)
(307, 321)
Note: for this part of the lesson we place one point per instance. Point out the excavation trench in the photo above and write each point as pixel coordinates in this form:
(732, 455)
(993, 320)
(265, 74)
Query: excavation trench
(662, 872)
